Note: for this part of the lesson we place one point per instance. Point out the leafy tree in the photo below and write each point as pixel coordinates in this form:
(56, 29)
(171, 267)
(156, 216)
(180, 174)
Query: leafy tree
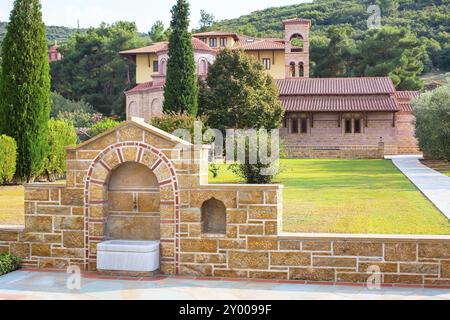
(394, 52)
(206, 20)
(93, 71)
(180, 91)
(61, 104)
(25, 87)
(61, 134)
(432, 111)
(174, 121)
(336, 56)
(241, 94)
(158, 33)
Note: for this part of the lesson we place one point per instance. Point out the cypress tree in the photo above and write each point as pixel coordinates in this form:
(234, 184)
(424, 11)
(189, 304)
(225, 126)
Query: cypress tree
(25, 87)
(180, 92)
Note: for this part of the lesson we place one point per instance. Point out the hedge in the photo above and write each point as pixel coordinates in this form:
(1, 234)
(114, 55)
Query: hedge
(102, 126)
(8, 263)
(8, 158)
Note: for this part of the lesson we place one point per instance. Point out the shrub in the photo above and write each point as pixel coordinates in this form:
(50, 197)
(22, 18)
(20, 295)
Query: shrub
(256, 170)
(60, 135)
(8, 263)
(432, 111)
(102, 126)
(8, 158)
(80, 119)
(173, 121)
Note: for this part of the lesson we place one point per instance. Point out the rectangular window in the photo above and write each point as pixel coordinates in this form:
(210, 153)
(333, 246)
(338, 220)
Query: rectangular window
(304, 126)
(294, 126)
(348, 125)
(223, 42)
(266, 63)
(156, 66)
(213, 42)
(204, 40)
(357, 125)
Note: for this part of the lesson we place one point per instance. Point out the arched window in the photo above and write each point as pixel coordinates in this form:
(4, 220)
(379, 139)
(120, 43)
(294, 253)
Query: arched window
(292, 69)
(202, 67)
(301, 70)
(297, 43)
(133, 110)
(214, 217)
(156, 108)
(163, 67)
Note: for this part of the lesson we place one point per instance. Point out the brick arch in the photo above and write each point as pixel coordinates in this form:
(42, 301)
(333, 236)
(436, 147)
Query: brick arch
(95, 197)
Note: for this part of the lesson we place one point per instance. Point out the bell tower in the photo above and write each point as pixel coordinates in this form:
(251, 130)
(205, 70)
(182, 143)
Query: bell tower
(296, 36)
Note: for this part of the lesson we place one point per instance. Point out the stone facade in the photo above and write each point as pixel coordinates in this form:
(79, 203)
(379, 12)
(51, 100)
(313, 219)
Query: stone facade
(169, 198)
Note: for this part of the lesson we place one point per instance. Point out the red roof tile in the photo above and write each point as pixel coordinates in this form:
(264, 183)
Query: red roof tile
(407, 94)
(335, 86)
(339, 103)
(164, 46)
(263, 44)
(145, 87)
(296, 21)
(406, 106)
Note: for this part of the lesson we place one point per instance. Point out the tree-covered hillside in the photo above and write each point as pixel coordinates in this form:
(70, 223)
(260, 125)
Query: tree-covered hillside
(428, 20)
(54, 33)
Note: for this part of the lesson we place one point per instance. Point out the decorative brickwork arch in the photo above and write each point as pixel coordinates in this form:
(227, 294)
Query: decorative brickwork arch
(95, 198)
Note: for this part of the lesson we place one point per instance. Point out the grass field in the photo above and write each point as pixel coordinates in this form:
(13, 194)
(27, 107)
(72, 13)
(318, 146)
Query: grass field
(346, 196)
(11, 205)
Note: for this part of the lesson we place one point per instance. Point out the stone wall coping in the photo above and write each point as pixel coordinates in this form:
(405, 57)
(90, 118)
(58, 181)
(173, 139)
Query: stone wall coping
(246, 187)
(12, 228)
(351, 237)
(44, 185)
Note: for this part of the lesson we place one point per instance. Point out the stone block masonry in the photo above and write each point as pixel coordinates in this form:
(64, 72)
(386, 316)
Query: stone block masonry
(65, 222)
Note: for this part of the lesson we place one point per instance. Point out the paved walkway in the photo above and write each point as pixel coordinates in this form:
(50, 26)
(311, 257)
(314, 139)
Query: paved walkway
(25, 285)
(434, 185)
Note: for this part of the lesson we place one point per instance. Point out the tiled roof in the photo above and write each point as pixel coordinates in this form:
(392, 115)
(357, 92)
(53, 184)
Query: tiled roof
(263, 44)
(407, 94)
(216, 34)
(164, 46)
(406, 106)
(335, 86)
(297, 21)
(145, 87)
(340, 103)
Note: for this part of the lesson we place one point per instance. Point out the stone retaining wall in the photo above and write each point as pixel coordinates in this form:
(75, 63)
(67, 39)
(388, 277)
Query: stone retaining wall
(340, 152)
(64, 223)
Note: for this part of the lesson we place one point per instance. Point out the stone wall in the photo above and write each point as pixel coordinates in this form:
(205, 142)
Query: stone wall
(339, 152)
(64, 223)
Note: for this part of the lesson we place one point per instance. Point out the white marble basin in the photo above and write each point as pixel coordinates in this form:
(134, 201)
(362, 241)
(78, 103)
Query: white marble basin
(126, 255)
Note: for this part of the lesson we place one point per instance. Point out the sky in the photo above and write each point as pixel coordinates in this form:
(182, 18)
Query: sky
(143, 12)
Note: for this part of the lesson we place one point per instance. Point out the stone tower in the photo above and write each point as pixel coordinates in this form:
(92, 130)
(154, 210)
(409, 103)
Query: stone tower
(296, 34)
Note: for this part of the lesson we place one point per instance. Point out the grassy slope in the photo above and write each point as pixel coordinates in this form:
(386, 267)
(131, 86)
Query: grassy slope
(12, 205)
(344, 196)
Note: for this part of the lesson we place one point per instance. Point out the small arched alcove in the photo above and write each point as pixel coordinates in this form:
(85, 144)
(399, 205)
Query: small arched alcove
(214, 217)
(297, 43)
(133, 203)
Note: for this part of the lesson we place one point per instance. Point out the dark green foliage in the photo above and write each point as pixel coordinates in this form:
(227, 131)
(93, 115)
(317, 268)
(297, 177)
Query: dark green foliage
(241, 94)
(432, 111)
(180, 91)
(394, 52)
(8, 263)
(8, 158)
(25, 87)
(206, 20)
(93, 71)
(103, 126)
(61, 134)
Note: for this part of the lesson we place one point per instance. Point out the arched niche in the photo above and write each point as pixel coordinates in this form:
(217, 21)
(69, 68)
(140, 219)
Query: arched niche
(133, 203)
(292, 72)
(214, 217)
(202, 67)
(133, 109)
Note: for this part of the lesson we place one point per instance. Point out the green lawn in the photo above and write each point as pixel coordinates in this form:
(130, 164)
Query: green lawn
(11, 205)
(351, 196)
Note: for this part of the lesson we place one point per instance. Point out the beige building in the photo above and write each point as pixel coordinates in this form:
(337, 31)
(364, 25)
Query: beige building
(334, 117)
